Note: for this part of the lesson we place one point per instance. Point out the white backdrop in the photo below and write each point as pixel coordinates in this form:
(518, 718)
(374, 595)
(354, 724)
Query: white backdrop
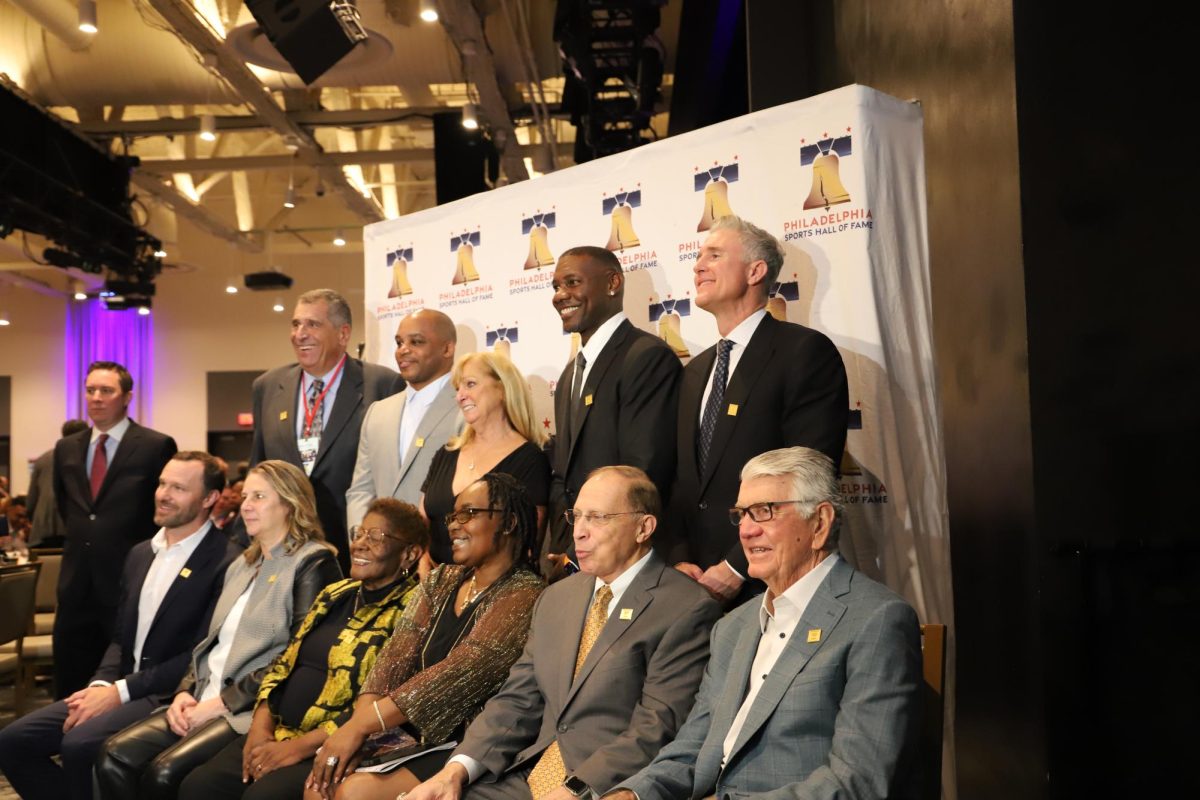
(839, 178)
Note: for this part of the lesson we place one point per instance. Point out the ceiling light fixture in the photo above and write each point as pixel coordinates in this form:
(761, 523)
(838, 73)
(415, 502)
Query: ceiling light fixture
(339, 239)
(231, 289)
(4, 323)
(208, 127)
(144, 311)
(470, 119)
(429, 11)
(278, 307)
(87, 16)
(160, 253)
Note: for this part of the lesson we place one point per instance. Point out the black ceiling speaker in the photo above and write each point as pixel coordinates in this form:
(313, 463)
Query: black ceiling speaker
(311, 35)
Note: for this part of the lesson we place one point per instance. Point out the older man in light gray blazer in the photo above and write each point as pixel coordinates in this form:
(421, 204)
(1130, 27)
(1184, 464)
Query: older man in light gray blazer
(401, 433)
(812, 691)
(610, 668)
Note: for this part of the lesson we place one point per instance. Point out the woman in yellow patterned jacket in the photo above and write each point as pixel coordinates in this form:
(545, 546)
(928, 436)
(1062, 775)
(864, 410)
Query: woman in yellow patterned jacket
(310, 688)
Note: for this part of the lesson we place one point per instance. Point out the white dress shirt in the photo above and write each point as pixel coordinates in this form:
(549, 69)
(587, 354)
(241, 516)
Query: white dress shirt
(777, 626)
(220, 652)
(331, 390)
(740, 336)
(595, 345)
(474, 768)
(115, 434)
(169, 559)
(416, 405)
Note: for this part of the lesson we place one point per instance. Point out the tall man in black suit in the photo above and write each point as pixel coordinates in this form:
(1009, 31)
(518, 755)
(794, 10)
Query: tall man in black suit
(618, 401)
(167, 592)
(310, 413)
(765, 385)
(104, 481)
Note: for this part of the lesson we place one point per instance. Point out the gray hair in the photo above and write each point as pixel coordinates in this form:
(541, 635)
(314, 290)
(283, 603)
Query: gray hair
(756, 244)
(813, 477)
(339, 309)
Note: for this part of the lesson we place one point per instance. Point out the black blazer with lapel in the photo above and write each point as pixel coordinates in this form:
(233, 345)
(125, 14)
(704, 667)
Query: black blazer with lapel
(276, 395)
(634, 388)
(179, 623)
(100, 532)
(789, 389)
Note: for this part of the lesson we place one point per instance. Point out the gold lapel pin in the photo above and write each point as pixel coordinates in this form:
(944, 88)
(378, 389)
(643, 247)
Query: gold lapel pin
(282, 415)
(733, 407)
(273, 577)
(814, 635)
(185, 572)
(420, 442)
(626, 613)
(587, 401)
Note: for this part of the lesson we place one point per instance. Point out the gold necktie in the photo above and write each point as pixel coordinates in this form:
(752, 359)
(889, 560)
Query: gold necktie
(550, 771)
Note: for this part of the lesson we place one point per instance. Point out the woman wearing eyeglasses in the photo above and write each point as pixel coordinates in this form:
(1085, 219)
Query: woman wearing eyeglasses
(310, 689)
(451, 651)
(501, 435)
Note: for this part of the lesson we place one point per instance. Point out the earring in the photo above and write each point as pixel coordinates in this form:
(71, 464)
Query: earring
(612, 294)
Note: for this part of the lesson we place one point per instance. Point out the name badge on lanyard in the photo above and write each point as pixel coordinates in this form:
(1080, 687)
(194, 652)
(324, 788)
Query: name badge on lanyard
(309, 444)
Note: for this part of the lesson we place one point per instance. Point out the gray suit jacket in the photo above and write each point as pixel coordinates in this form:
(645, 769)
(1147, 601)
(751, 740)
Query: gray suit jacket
(43, 510)
(275, 396)
(378, 471)
(631, 694)
(286, 586)
(836, 718)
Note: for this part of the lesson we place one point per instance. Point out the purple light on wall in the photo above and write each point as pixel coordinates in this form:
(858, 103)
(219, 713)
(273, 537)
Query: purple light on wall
(94, 333)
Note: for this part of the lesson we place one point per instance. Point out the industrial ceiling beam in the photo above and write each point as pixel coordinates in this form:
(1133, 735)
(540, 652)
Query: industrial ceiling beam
(362, 157)
(181, 205)
(183, 17)
(173, 126)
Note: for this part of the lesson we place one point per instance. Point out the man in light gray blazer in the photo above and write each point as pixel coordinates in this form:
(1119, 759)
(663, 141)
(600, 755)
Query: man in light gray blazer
(401, 433)
(574, 727)
(812, 690)
(309, 413)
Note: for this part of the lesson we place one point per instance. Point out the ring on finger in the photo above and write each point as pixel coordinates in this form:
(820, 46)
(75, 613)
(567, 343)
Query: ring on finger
(331, 761)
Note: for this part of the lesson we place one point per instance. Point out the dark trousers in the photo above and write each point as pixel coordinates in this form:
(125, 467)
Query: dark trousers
(27, 744)
(221, 779)
(149, 761)
(83, 629)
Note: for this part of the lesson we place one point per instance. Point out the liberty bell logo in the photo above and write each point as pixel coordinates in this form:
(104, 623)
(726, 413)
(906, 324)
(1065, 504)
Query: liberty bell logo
(827, 189)
(398, 261)
(620, 207)
(714, 183)
(464, 245)
(537, 228)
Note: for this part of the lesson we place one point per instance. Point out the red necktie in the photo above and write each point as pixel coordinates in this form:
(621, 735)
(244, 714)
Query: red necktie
(99, 464)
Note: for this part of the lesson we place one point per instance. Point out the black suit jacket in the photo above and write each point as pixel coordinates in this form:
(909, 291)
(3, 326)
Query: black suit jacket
(179, 623)
(276, 395)
(789, 389)
(100, 532)
(634, 391)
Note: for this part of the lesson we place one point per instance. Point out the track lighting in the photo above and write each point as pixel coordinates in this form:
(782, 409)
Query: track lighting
(470, 120)
(87, 16)
(429, 11)
(208, 127)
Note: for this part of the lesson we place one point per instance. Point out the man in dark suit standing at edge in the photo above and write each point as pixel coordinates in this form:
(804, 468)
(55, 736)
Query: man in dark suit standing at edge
(618, 401)
(169, 586)
(766, 384)
(310, 413)
(104, 482)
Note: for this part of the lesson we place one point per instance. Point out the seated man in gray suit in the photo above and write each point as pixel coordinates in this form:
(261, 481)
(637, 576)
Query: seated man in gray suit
(610, 669)
(813, 689)
(401, 433)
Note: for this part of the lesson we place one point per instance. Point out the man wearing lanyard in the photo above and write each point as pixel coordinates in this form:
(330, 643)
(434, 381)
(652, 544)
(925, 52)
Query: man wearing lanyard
(310, 413)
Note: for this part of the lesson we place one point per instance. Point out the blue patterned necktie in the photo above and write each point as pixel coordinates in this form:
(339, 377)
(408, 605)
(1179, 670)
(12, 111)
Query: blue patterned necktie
(716, 399)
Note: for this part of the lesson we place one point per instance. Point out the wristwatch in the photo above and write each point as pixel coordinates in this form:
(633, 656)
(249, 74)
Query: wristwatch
(577, 787)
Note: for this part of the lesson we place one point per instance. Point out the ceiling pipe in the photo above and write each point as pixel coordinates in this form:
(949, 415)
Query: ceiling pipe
(60, 18)
(184, 18)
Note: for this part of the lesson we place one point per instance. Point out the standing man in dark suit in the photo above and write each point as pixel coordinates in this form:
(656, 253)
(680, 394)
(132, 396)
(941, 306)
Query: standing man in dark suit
(618, 401)
(310, 413)
(49, 530)
(167, 592)
(104, 481)
(766, 384)
(814, 689)
(614, 656)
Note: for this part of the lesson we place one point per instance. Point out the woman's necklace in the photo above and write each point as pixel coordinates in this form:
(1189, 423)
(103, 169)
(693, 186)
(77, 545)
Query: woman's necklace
(472, 592)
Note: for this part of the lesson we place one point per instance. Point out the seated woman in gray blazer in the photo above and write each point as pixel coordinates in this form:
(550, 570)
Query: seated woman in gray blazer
(266, 595)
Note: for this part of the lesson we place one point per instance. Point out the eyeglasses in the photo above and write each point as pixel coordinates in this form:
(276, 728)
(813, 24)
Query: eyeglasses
(594, 517)
(464, 515)
(374, 535)
(759, 512)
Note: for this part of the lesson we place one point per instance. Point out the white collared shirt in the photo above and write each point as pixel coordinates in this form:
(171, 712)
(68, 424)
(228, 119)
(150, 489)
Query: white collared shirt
(115, 434)
(740, 336)
(473, 767)
(595, 345)
(416, 405)
(169, 560)
(220, 651)
(306, 382)
(777, 628)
